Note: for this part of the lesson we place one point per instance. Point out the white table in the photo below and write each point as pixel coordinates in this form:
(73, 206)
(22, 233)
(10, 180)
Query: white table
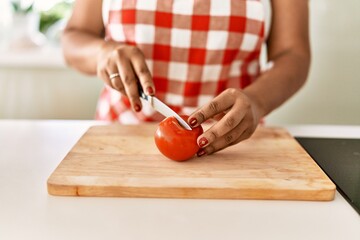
(30, 151)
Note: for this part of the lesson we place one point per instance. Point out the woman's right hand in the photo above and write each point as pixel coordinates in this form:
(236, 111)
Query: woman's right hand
(129, 62)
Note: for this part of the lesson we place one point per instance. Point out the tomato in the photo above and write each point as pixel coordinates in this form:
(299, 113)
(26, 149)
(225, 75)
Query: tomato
(176, 142)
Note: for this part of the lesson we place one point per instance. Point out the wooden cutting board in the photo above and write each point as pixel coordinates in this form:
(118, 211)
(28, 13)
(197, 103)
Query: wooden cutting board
(123, 161)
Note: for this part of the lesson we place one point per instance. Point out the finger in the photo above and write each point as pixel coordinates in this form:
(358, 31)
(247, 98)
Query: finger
(129, 82)
(224, 142)
(219, 116)
(104, 76)
(227, 124)
(115, 81)
(142, 72)
(245, 135)
(218, 105)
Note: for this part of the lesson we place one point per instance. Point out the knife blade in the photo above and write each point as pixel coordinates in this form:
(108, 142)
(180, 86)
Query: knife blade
(162, 108)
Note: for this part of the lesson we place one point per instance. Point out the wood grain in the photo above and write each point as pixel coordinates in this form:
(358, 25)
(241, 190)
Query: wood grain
(123, 161)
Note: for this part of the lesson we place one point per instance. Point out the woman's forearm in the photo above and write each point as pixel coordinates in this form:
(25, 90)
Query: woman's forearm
(81, 50)
(278, 84)
(289, 50)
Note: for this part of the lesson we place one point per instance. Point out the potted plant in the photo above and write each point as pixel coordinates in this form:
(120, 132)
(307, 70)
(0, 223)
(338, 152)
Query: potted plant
(25, 29)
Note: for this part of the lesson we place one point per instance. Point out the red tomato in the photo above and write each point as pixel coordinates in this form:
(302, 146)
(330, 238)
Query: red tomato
(176, 142)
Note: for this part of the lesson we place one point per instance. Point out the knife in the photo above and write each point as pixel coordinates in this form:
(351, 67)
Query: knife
(162, 108)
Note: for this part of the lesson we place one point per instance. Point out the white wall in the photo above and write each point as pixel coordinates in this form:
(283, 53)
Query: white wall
(331, 95)
(47, 93)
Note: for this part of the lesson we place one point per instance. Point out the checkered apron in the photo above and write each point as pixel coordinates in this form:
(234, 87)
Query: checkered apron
(195, 49)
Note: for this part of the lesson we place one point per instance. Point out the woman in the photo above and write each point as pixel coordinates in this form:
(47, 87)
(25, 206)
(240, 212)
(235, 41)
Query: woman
(201, 57)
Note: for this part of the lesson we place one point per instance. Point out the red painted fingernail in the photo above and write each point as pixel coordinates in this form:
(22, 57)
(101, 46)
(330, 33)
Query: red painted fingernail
(202, 142)
(137, 108)
(200, 153)
(150, 90)
(193, 122)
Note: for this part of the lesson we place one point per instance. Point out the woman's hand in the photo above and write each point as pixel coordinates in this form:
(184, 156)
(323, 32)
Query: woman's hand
(121, 67)
(239, 116)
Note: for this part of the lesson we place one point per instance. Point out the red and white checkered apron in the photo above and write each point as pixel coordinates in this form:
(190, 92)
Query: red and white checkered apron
(195, 49)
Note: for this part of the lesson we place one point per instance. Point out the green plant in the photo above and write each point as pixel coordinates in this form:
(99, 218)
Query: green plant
(20, 8)
(57, 12)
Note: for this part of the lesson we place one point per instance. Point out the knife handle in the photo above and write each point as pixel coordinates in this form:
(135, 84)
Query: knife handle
(141, 92)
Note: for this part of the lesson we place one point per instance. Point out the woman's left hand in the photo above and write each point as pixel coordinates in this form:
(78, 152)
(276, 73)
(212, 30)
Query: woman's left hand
(239, 116)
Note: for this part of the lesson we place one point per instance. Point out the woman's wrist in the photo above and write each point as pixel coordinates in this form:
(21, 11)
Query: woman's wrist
(105, 47)
(257, 105)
